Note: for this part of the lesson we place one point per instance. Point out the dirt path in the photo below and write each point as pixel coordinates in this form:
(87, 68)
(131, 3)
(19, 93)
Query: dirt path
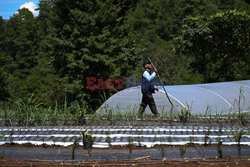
(229, 162)
(26, 152)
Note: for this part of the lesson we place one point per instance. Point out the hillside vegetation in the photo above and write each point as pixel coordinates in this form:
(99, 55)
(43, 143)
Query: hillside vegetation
(49, 57)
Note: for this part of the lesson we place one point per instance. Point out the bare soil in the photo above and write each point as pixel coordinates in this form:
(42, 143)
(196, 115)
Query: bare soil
(228, 161)
(145, 161)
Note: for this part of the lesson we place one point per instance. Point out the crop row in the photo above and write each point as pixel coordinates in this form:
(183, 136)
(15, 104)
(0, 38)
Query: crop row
(148, 136)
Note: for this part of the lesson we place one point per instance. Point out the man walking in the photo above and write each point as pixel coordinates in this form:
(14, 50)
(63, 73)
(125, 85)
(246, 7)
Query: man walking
(147, 89)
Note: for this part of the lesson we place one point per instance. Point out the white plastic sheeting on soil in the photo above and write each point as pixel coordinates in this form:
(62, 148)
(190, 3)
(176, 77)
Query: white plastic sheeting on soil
(147, 136)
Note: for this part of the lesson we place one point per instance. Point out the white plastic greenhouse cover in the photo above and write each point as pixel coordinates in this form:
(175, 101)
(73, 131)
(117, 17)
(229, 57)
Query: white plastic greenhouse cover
(222, 97)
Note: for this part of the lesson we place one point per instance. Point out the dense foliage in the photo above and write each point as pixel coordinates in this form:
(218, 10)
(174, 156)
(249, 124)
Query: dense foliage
(190, 41)
(220, 49)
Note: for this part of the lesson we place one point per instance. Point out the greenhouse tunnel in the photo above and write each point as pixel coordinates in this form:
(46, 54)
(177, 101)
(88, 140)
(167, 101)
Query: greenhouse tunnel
(211, 98)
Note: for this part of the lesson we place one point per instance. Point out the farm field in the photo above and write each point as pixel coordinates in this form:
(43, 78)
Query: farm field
(76, 76)
(223, 141)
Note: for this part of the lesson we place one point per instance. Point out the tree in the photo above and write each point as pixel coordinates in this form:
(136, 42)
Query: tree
(220, 49)
(2, 41)
(21, 49)
(155, 23)
(3, 85)
(45, 7)
(3, 74)
(90, 40)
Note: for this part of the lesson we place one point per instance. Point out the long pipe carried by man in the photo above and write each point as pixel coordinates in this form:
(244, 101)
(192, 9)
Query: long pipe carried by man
(161, 83)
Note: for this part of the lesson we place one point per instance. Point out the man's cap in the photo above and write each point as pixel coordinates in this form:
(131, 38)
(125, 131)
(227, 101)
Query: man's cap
(146, 62)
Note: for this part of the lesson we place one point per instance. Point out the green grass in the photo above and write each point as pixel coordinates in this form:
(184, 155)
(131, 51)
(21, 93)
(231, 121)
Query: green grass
(20, 113)
(30, 113)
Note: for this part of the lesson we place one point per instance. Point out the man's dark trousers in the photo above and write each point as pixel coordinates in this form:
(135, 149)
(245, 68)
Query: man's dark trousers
(147, 99)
